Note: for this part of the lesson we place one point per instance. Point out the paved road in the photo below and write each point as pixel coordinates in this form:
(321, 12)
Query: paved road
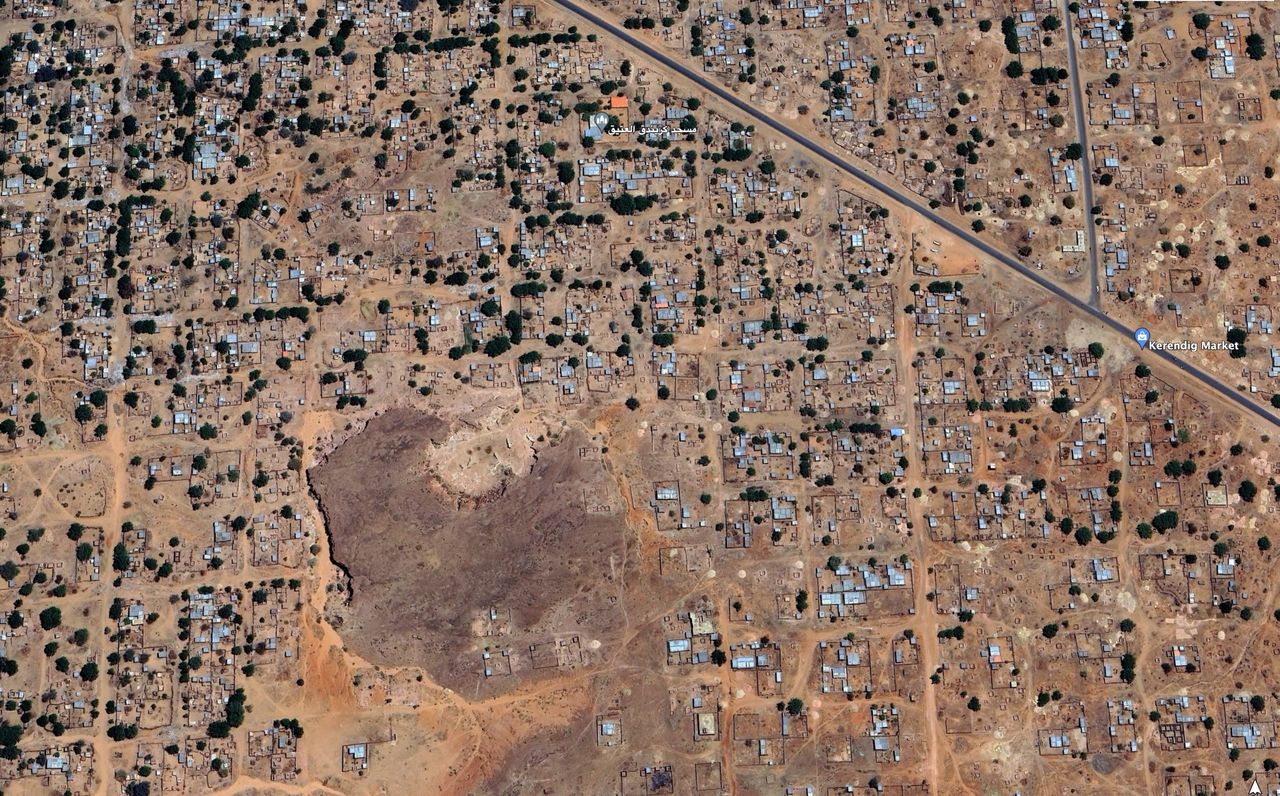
(1086, 176)
(913, 203)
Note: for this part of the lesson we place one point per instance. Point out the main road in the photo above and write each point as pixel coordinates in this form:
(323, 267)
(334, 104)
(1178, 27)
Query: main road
(913, 203)
(1082, 129)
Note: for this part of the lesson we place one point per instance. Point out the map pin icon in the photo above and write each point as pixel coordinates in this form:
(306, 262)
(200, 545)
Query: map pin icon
(1143, 336)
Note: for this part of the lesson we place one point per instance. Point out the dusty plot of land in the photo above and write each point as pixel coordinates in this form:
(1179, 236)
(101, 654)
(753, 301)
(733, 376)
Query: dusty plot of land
(425, 562)
(82, 488)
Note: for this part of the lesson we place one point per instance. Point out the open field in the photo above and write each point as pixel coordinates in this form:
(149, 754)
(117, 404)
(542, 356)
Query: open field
(427, 566)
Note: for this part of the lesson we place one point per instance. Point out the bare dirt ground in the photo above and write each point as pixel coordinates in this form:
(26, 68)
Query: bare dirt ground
(425, 562)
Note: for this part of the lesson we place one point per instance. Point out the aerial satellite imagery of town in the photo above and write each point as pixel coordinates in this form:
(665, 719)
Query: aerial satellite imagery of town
(639, 397)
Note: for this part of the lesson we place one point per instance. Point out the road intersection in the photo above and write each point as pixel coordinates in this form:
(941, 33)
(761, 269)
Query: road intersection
(905, 198)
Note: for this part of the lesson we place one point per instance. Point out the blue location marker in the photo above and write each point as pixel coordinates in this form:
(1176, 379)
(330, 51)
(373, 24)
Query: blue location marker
(1143, 337)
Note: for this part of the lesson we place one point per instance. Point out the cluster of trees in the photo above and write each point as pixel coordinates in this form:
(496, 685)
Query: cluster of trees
(235, 712)
(628, 204)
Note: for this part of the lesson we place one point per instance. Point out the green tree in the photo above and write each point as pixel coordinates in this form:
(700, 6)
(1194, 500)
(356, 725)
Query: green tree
(249, 205)
(1237, 336)
(120, 557)
(235, 708)
(497, 346)
(219, 729)
(1255, 46)
(515, 326)
(10, 736)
